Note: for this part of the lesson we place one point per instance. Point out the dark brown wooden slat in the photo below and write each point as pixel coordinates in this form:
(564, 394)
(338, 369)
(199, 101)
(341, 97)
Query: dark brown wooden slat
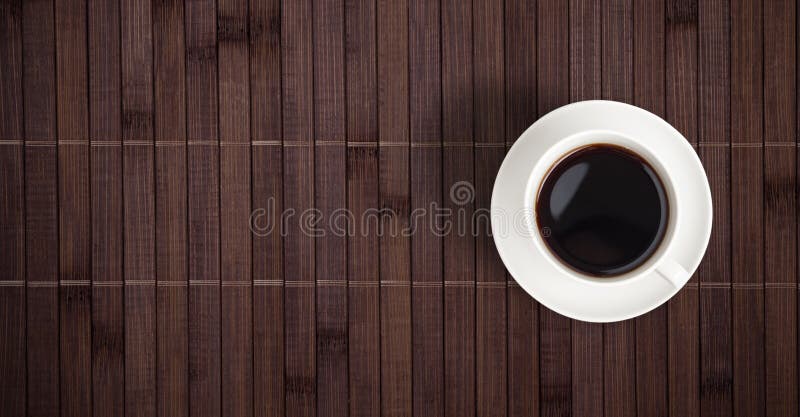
(619, 389)
(12, 330)
(11, 121)
(299, 294)
(489, 126)
(394, 195)
(204, 289)
(363, 262)
(75, 258)
(427, 335)
(12, 214)
(297, 72)
(41, 208)
(268, 300)
(299, 262)
(329, 68)
(490, 310)
(780, 208)
(363, 274)
(746, 208)
(104, 75)
(265, 70)
(12, 263)
(234, 80)
(329, 195)
(649, 94)
(267, 176)
(235, 237)
(617, 46)
(172, 355)
(426, 189)
(236, 301)
(457, 80)
(521, 104)
(361, 71)
(299, 254)
(74, 220)
(41, 217)
(38, 44)
(683, 353)
(395, 267)
(203, 210)
(331, 265)
(553, 91)
(393, 75)
(489, 76)
(459, 179)
(108, 320)
(424, 62)
(716, 367)
(585, 84)
(138, 207)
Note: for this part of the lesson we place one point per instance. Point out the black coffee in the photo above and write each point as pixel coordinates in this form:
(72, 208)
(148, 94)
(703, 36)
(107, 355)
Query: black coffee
(602, 210)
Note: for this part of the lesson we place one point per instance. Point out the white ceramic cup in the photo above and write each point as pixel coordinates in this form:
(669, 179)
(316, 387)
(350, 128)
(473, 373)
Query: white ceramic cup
(658, 262)
(545, 277)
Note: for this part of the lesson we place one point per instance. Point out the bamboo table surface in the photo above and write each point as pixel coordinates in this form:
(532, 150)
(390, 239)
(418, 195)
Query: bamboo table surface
(158, 161)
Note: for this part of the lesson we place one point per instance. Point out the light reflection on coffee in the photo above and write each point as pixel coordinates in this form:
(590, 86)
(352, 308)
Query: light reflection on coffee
(602, 210)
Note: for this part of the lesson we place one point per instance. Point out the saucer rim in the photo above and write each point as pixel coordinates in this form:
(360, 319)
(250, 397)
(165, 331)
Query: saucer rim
(701, 237)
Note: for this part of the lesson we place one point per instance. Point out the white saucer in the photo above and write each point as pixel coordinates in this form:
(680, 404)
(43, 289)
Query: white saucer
(515, 190)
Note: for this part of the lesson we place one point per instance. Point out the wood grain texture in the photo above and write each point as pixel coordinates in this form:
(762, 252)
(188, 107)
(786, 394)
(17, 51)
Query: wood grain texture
(363, 273)
(12, 214)
(73, 209)
(681, 70)
(780, 207)
(236, 313)
(458, 176)
(267, 201)
(363, 251)
(172, 376)
(108, 312)
(427, 329)
(11, 72)
(158, 161)
(489, 71)
(12, 298)
(716, 360)
(203, 170)
(330, 194)
(41, 208)
(299, 164)
(427, 334)
(747, 212)
(394, 195)
(268, 301)
(138, 184)
(490, 298)
(424, 67)
(491, 361)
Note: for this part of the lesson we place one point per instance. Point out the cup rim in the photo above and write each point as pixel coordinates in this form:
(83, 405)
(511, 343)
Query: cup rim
(566, 146)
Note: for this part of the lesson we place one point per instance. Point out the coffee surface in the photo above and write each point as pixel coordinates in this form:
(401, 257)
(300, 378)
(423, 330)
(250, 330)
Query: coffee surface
(602, 210)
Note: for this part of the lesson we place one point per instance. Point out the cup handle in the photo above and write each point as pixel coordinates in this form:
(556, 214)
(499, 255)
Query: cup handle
(673, 272)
